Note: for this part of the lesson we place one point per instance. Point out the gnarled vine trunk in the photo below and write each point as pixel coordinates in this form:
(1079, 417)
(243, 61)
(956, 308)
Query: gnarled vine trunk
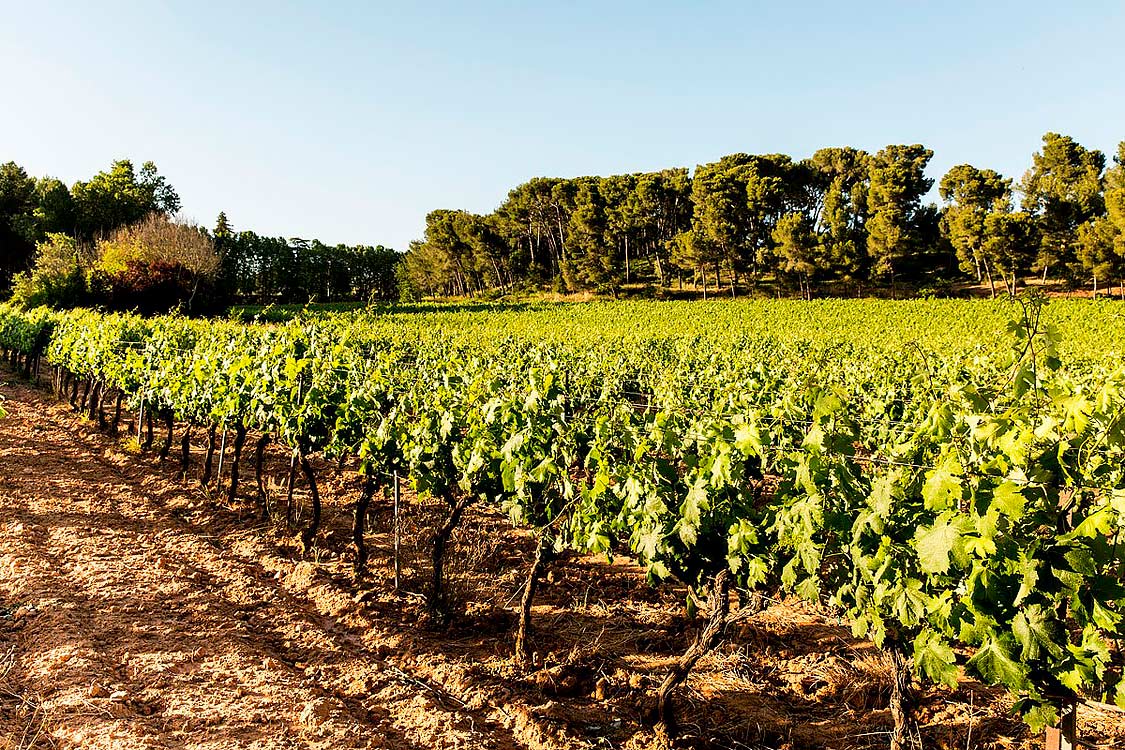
(523, 630)
(116, 426)
(360, 523)
(259, 458)
(148, 429)
(95, 401)
(236, 460)
(167, 447)
(309, 532)
(902, 696)
(185, 451)
(438, 603)
(718, 602)
(209, 461)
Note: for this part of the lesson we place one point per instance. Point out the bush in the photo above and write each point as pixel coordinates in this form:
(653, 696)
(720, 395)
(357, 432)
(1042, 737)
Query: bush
(57, 278)
(154, 266)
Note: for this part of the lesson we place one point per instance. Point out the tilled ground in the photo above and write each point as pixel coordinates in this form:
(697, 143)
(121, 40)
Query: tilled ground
(137, 611)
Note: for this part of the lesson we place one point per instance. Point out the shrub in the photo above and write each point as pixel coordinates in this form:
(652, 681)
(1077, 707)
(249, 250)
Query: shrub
(56, 279)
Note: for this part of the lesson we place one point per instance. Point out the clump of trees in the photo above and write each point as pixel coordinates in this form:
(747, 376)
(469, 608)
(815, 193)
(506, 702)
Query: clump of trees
(114, 241)
(33, 208)
(153, 265)
(276, 269)
(843, 221)
(57, 278)
(839, 221)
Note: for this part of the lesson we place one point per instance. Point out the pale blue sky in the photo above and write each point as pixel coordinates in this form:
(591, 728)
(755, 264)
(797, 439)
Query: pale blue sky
(348, 121)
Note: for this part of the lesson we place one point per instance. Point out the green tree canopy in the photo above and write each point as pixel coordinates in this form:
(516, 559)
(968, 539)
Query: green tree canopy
(894, 199)
(1062, 190)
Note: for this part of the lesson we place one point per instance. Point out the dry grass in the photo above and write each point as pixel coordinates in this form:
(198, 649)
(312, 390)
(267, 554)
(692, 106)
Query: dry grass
(27, 715)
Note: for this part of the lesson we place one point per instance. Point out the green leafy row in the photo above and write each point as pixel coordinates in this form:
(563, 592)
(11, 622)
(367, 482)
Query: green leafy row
(962, 502)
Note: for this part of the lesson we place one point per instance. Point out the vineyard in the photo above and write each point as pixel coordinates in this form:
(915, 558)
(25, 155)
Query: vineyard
(945, 477)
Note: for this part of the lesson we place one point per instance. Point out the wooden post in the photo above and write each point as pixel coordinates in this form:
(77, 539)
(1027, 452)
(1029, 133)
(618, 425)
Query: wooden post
(289, 515)
(222, 452)
(1064, 736)
(397, 536)
(140, 417)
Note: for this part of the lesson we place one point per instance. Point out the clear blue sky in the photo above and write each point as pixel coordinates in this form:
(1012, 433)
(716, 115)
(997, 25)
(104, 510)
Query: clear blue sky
(348, 121)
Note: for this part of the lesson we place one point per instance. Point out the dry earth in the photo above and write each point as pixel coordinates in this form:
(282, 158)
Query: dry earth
(137, 611)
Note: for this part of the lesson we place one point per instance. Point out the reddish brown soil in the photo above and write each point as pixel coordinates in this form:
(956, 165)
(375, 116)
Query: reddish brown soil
(138, 611)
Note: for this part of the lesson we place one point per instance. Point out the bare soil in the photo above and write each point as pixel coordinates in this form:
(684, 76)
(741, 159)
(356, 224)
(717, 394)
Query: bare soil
(138, 610)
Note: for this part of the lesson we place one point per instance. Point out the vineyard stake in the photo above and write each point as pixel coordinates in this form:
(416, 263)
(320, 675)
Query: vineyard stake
(140, 417)
(289, 491)
(1064, 736)
(397, 568)
(222, 452)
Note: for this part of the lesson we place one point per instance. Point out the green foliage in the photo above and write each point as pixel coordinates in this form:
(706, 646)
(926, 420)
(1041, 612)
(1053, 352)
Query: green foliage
(894, 197)
(276, 270)
(57, 278)
(973, 196)
(1062, 190)
(961, 495)
(841, 215)
(17, 220)
(121, 196)
(31, 209)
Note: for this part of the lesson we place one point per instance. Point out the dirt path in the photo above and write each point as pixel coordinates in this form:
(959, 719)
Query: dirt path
(123, 625)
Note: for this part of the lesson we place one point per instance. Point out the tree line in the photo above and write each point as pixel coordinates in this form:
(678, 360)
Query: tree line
(116, 241)
(839, 221)
(276, 269)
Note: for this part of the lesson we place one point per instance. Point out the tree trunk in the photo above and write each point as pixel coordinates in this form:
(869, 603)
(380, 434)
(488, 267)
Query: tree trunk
(719, 605)
(236, 460)
(626, 258)
(209, 461)
(523, 630)
(902, 699)
(438, 605)
(1095, 286)
(360, 523)
(991, 282)
(309, 532)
